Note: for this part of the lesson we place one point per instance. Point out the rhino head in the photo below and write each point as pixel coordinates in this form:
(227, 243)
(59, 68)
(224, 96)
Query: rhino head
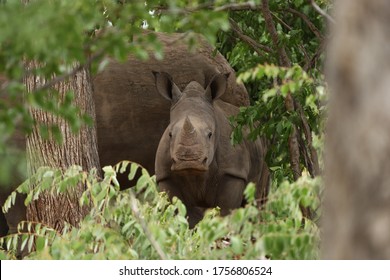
(193, 130)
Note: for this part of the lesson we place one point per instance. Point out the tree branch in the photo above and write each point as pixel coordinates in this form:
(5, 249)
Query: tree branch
(321, 11)
(283, 58)
(141, 221)
(238, 7)
(56, 79)
(259, 48)
(300, 46)
(309, 139)
(311, 26)
(228, 7)
(74, 71)
(317, 54)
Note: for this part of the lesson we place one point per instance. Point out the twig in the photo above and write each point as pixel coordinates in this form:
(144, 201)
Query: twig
(317, 54)
(238, 7)
(56, 79)
(259, 48)
(300, 46)
(311, 26)
(136, 213)
(309, 139)
(65, 76)
(283, 58)
(250, 5)
(321, 11)
(302, 147)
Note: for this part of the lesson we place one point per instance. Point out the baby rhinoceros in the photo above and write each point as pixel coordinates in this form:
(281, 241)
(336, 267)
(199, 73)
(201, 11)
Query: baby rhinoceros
(195, 160)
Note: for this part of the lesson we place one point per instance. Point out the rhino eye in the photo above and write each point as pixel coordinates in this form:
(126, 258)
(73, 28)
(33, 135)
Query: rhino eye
(170, 134)
(209, 135)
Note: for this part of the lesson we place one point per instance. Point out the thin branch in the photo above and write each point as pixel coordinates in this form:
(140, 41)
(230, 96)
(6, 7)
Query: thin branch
(141, 221)
(238, 7)
(305, 18)
(317, 54)
(56, 79)
(65, 76)
(282, 22)
(283, 58)
(322, 12)
(309, 140)
(259, 48)
(246, 6)
(302, 147)
(300, 46)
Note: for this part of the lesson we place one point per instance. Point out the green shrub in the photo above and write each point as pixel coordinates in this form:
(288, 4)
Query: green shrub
(141, 222)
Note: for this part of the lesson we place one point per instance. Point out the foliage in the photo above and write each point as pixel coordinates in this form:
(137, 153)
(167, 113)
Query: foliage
(268, 116)
(141, 223)
(250, 48)
(64, 35)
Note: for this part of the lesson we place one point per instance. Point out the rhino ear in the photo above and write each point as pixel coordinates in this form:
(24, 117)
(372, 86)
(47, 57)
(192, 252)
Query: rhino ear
(166, 87)
(217, 86)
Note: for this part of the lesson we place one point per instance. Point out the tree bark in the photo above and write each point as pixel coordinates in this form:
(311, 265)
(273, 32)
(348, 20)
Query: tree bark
(76, 149)
(356, 222)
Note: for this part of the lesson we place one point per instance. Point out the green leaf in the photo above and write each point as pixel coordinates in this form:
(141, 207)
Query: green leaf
(28, 199)
(133, 170)
(285, 89)
(102, 194)
(40, 243)
(123, 166)
(237, 245)
(30, 243)
(24, 241)
(109, 171)
(250, 192)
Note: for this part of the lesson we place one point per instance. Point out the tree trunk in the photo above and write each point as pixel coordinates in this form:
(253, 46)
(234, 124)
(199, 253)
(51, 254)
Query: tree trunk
(356, 221)
(76, 149)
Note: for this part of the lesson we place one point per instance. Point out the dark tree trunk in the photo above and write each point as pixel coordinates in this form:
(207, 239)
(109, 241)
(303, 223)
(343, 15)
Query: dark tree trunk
(357, 201)
(77, 149)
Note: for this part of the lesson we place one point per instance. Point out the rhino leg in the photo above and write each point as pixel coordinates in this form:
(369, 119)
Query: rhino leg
(230, 193)
(194, 213)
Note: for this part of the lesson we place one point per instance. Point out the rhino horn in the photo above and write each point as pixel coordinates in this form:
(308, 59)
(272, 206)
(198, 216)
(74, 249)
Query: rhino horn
(188, 135)
(188, 127)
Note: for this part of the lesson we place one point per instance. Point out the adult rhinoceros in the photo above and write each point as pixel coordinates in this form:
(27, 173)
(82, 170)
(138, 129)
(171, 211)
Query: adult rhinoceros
(195, 160)
(131, 116)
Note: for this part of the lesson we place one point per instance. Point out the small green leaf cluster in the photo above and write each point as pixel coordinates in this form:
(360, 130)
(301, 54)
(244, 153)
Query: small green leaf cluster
(142, 223)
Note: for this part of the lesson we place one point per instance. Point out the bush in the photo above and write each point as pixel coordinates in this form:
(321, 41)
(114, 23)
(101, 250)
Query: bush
(141, 222)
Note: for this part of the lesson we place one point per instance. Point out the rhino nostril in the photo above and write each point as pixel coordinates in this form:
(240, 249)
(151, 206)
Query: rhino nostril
(204, 161)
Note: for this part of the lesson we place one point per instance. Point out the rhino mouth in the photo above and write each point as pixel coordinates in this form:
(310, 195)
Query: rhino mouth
(197, 165)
